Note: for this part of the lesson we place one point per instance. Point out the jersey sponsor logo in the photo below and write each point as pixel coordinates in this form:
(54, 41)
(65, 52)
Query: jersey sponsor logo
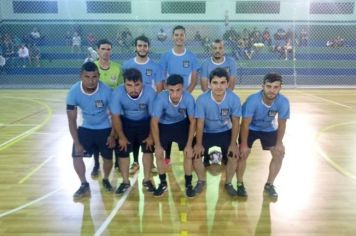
(148, 72)
(99, 103)
(186, 64)
(272, 113)
(182, 111)
(142, 106)
(224, 112)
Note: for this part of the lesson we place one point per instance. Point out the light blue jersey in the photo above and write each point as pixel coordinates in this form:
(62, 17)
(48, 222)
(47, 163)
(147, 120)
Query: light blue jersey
(136, 109)
(217, 116)
(94, 106)
(151, 71)
(169, 113)
(229, 64)
(182, 64)
(264, 116)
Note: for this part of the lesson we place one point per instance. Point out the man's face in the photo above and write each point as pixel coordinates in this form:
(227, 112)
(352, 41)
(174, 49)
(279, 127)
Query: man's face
(219, 85)
(141, 48)
(90, 80)
(175, 92)
(179, 37)
(218, 50)
(133, 88)
(104, 51)
(271, 90)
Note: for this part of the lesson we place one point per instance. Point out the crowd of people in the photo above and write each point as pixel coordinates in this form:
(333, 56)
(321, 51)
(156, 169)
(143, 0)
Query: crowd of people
(151, 106)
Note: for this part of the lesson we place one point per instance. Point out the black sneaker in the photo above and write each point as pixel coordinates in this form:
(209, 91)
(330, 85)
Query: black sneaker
(148, 186)
(162, 187)
(83, 190)
(95, 172)
(123, 188)
(241, 191)
(107, 186)
(189, 192)
(199, 187)
(269, 189)
(230, 190)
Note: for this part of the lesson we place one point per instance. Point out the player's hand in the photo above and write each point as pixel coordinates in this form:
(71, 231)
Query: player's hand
(78, 150)
(111, 142)
(233, 151)
(198, 150)
(188, 152)
(159, 152)
(123, 142)
(149, 143)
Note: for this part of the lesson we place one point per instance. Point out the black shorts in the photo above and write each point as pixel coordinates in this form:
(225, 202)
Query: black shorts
(136, 132)
(267, 139)
(221, 140)
(94, 139)
(176, 132)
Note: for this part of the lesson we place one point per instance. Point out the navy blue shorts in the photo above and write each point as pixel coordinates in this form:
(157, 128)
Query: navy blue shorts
(135, 132)
(176, 132)
(94, 139)
(221, 140)
(267, 139)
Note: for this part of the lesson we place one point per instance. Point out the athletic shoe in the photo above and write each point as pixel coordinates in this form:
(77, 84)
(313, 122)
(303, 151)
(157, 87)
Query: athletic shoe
(123, 188)
(230, 190)
(241, 191)
(95, 172)
(269, 189)
(189, 192)
(199, 187)
(107, 186)
(134, 167)
(148, 186)
(162, 188)
(83, 190)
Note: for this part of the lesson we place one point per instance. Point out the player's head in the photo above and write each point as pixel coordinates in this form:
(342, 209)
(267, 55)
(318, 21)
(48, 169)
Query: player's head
(178, 35)
(133, 82)
(219, 81)
(89, 75)
(218, 49)
(104, 49)
(175, 87)
(272, 84)
(142, 44)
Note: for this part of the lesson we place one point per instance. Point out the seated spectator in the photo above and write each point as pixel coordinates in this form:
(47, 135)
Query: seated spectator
(304, 37)
(286, 49)
(35, 55)
(335, 43)
(35, 35)
(76, 43)
(24, 56)
(266, 38)
(161, 36)
(91, 40)
(248, 51)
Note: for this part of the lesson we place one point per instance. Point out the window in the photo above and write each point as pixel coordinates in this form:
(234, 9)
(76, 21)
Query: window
(35, 7)
(184, 7)
(254, 7)
(108, 7)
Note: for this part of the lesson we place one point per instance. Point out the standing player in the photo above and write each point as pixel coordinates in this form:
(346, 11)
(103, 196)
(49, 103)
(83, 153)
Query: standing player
(152, 76)
(182, 62)
(131, 107)
(93, 98)
(218, 113)
(265, 115)
(111, 75)
(218, 59)
(173, 121)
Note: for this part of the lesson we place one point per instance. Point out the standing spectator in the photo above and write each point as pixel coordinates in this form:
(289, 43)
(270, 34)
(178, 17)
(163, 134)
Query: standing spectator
(76, 43)
(35, 55)
(266, 37)
(161, 36)
(35, 36)
(91, 40)
(24, 56)
(304, 38)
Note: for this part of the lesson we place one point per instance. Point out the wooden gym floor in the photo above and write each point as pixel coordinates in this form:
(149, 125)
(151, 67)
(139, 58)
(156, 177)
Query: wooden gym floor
(316, 185)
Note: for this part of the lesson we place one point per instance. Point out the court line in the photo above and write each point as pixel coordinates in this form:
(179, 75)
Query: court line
(6, 213)
(329, 101)
(327, 158)
(35, 170)
(24, 134)
(114, 211)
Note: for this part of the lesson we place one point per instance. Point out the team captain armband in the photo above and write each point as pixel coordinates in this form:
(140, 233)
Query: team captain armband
(71, 107)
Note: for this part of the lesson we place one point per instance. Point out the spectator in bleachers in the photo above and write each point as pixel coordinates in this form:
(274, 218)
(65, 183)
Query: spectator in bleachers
(303, 38)
(2, 63)
(266, 38)
(335, 43)
(197, 36)
(8, 48)
(23, 55)
(35, 55)
(76, 43)
(92, 55)
(68, 38)
(287, 49)
(161, 36)
(35, 36)
(91, 40)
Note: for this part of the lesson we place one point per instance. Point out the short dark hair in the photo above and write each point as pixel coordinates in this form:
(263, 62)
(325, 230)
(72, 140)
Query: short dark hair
(175, 79)
(132, 74)
(219, 72)
(103, 41)
(89, 66)
(178, 27)
(142, 38)
(218, 41)
(272, 77)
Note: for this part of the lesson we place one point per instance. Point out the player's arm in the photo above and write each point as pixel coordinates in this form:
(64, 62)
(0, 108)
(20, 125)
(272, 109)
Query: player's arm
(193, 81)
(156, 139)
(233, 147)
(204, 83)
(189, 146)
(199, 148)
(149, 140)
(279, 148)
(159, 86)
(244, 149)
(117, 125)
(72, 112)
(232, 82)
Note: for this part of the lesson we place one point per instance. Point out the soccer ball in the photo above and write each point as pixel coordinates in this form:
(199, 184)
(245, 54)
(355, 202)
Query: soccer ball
(215, 157)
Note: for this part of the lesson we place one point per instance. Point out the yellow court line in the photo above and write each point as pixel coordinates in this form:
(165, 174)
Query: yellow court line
(34, 170)
(23, 135)
(327, 158)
